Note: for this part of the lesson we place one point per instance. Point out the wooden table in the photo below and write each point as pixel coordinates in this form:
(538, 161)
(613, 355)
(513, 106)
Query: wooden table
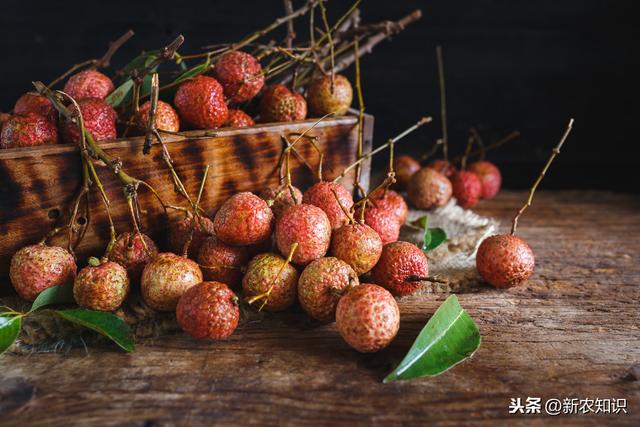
(572, 331)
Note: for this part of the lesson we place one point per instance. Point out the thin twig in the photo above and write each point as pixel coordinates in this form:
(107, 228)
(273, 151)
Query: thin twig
(443, 104)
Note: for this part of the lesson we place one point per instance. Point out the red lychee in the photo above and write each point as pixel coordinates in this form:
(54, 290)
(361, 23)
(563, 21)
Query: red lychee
(490, 177)
(309, 227)
(166, 278)
(391, 201)
(201, 104)
(220, 262)
(238, 119)
(244, 219)
(281, 197)
(323, 100)
(505, 260)
(28, 130)
(368, 318)
(268, 275)
(358, 245)
(101, 286)
(33, 102)
(88, 84)
(133, 251)
(180, 230)
(445, 167)
(241, 76)
(404, 167)
(38, 267)
(321, 195)
(208, 310)
(429, 189)
(399, 261)
(279, 104)
(321, 285)
(99, 120)
(466, 188)
(384, 222)
(166, 117)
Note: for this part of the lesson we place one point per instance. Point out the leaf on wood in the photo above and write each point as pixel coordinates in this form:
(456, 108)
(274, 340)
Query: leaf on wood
(9, 330)
(107, 324)
(433, 237)
(62, 294)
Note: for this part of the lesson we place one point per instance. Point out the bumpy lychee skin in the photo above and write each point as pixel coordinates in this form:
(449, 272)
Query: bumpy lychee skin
(321, 285)
(385, 222)
(505, 261)
(445, 167)
(99, 120)
(404, 167)
(368, 318)
(281, 197)
(321, 195)
(238, 119)
(262, 273)
(279, 104)
(32, 102)
(241, 76)
(180, 230)
(398, 261)
(208, 310)
(35, 268)
(322, 100)
(166, 117)
(103, 287)
(391, 201)
(166, 278)
(88, 84)
(467, 188)
(358, 245)
(133, 251)
(309, 227)
(220, 262)
(490, 177)
(28, 130)
(244, 219)
(201, 104)
(429, 189)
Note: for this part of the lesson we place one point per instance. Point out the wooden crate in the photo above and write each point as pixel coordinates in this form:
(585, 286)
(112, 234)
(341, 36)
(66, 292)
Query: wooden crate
(38, 185)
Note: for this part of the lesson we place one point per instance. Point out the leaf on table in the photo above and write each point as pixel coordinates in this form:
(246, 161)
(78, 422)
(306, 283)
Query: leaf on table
(107, 324)
(61, 294)
(9, 330)
(448, 338)
(433, 237)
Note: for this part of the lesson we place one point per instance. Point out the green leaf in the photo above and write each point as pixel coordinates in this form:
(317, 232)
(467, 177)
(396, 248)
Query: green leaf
(119, 94)
(9, 330)
(437, 237)
(140, 61)
(194, 71)
(107, 324)
(124, 92)
(61, 294)
(448, 338)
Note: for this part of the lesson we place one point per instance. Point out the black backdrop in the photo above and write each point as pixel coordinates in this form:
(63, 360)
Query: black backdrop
(510, 64)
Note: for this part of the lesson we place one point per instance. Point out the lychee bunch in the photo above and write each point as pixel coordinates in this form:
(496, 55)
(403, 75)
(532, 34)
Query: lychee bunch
(326, 95)
(241, 76)
(101, 286)
(28, 130)
(166, 117)
(322, 195)
(271, 278)
(490, 177)
(238, 119)
(133, 251)
(243, 219)
(429, 189)
(33, 102)
(166, 278)
(201, 103)
(99, 120)
(466, 188)
(398, 262)
(505, 260)
(308, 226)
(279, 104)
(358, 245)
(88, 84)
(208, 310)
(220, 262)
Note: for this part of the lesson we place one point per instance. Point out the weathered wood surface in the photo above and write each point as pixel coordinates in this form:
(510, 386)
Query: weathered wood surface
(38, 184)
(571, 331)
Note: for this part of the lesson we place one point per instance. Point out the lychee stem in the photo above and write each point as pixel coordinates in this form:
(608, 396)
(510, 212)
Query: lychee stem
(554, 153)
(433, 150)
(470, 141)
(443, 103)
(344, 210)
(265, 295)
(196, 216)
(513, 135)
(328, 30)
(476, 136)
(433, 279)
(361, 109)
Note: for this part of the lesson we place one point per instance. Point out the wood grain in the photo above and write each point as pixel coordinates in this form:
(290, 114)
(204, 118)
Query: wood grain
(572, 331)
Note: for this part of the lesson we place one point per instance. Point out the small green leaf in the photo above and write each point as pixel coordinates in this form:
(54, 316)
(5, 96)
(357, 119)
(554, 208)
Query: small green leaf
(194, 71)
(107, 324)
(140, 61)
(437, 237)
(9, 330)
(119, 94)
(123, 92)
(61, 294)
(448, 338)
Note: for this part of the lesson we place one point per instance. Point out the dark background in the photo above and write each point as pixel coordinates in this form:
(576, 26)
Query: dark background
(510, 64)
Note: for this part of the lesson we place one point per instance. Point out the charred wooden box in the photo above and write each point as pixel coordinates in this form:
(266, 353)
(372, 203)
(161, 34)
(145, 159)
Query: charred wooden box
(38, 185)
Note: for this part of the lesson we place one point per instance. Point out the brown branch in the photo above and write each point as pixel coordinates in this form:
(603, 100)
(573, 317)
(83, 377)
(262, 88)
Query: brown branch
(434, 279)
(513, 135)
(443, 104)
(291, 34)
(166, 54)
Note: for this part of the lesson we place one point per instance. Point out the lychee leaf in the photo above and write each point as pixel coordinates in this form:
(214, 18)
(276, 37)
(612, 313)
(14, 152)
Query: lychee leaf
(123, 92)
(9, 331)
(107, 324)
(190, 73)
(62, 294)
(448, 338)
(437, 237)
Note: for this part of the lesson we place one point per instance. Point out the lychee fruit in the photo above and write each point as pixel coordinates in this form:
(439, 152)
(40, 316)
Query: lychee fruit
(281, 197)
(35, 268)
(385, 222)
(32, 102)
(244, 219)
(404, 166)
(166, 117)
(323, 100)
(322, 195)
(429, 189)
(505, 260)
(358, 245)
(308, 226)
(490, 177)
(208, 310)
(398, 262)
(180, 230)
(166, 278)
(241, 76)
(99, 120)
(88, 84)
(101, 286)
(220, 262)
(445, 167)
(321, 285)
(467, 188)
(238, 119)
(279, 104)
(368, 318)
(201, 104)
(392, 201)
(269, 277)
(28, 130)
(133, 251)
